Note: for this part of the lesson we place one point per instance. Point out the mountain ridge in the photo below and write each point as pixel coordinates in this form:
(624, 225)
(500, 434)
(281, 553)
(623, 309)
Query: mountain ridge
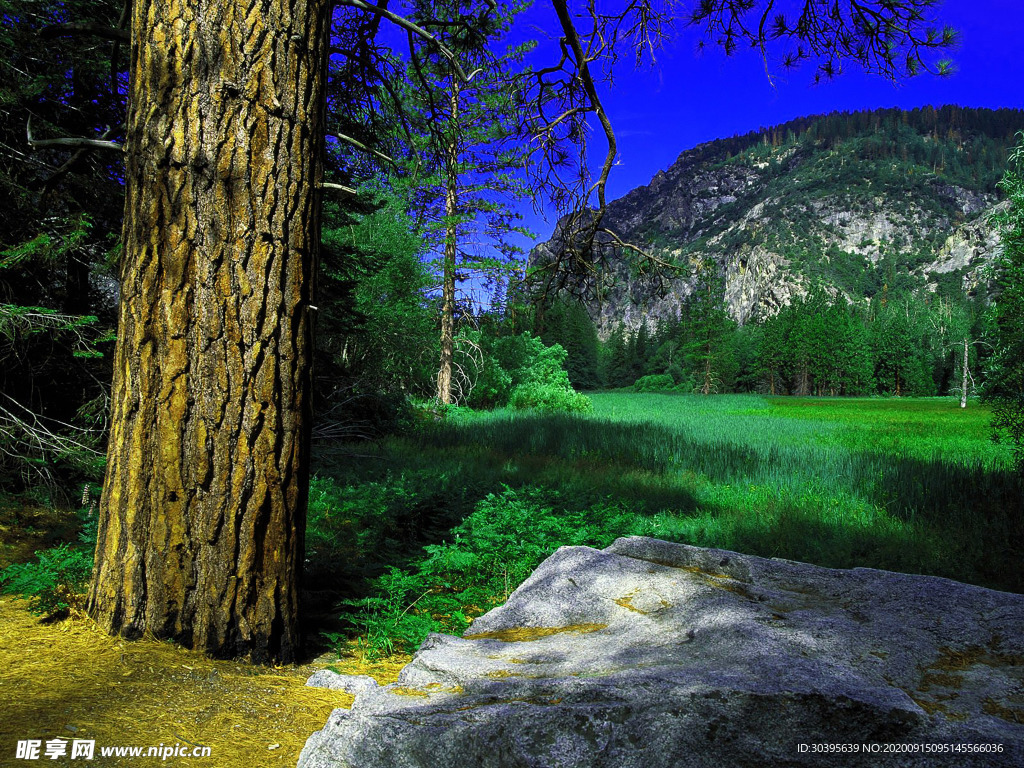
(865, 204)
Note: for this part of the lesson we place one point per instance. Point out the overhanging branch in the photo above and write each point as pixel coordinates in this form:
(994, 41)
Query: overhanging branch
(69, 142)
(415, 29)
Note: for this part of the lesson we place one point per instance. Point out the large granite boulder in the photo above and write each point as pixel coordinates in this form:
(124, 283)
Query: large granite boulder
(650, 654)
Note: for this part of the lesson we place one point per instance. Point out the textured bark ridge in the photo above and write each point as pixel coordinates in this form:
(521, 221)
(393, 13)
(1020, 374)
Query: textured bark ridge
(203, 508)
(656, 655)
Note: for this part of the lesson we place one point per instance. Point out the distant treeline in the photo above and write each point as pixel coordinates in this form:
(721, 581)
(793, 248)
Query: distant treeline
(817, 345)
(985, 135)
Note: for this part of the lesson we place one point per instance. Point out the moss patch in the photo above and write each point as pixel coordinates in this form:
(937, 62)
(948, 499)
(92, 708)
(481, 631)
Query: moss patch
(528, 634)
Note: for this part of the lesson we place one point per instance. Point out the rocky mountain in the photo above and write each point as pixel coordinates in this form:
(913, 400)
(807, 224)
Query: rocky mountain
(866, 204)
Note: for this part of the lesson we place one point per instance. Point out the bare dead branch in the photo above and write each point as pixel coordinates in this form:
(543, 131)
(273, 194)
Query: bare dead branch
(74, 160)
(415, 29)
(360, 146)
(69, 142)
(339, 187)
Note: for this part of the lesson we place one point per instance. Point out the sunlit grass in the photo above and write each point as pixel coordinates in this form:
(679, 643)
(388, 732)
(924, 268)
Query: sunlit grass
(901, 484)
(904, 485)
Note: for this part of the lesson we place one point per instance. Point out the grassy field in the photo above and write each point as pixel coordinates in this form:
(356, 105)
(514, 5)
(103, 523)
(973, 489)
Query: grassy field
(913, 485)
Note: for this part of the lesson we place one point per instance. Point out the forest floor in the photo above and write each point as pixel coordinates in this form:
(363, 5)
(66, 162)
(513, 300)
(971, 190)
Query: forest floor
(68, 680)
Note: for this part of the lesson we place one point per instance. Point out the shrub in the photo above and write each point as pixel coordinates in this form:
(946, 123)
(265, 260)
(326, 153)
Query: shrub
(660, 382)
(54, 582)
(522, 372)
(548, 398)
(490, 553)
(387, 621)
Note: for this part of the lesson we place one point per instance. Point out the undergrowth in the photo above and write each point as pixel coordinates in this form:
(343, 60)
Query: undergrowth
(911, 485)
(54, 582)
(486, 557)
(423, 533)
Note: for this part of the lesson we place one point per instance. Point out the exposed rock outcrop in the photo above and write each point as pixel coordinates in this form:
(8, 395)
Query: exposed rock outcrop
(775, 216)
(651, 655)
(354, 684)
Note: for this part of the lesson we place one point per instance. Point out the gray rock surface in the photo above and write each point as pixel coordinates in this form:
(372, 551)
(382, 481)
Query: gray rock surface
(354, 684)
(657, 655)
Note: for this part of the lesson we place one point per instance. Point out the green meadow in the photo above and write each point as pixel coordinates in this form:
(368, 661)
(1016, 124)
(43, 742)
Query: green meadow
(441, 524)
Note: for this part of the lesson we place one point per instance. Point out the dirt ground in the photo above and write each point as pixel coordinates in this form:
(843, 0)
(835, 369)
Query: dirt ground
(68, 680)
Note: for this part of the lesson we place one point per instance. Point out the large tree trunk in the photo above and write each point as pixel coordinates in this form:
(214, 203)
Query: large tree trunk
(203, 510)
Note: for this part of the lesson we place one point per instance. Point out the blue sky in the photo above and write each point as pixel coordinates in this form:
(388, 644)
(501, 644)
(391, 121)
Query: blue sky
(690, 97)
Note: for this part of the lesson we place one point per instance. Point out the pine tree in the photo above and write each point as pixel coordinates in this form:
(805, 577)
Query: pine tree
(469, 131)
(203, 510)
(638, 352)
(858, 362)
(771, 353)
(898, 340)
(616, 359)
(710, 356)
(581, 338)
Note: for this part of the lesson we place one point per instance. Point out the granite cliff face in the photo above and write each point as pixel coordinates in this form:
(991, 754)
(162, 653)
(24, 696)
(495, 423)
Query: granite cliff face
(865, 203)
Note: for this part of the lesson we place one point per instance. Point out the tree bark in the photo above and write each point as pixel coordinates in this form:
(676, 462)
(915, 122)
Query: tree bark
(451, 210)
(963, 386)
(203, 510)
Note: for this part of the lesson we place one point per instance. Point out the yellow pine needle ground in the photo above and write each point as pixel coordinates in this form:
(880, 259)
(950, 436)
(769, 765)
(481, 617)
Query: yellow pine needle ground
(69, 680)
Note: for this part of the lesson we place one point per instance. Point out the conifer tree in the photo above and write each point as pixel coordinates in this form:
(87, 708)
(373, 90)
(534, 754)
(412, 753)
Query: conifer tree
(898, 336)
(616, 359)
(708, 353)
(469, 128)
(771, 353)
(568, 324)
(638, 351)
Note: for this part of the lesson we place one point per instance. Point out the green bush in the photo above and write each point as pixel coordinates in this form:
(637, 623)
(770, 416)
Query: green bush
(58, 577)
(520, 371)
(387, 622)
(53, 582)
(660, 382)
(548, 398)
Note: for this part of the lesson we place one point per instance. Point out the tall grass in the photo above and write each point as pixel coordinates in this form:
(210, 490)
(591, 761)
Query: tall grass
(907, 485)
(913, 475)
